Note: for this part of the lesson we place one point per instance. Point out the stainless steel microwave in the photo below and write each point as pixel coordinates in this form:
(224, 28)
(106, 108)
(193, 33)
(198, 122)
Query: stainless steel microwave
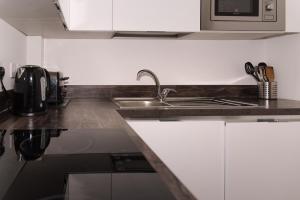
(243, 15)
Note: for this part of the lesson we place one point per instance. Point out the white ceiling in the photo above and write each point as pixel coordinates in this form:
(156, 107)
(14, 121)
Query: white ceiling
(39, 18)
(34, 9)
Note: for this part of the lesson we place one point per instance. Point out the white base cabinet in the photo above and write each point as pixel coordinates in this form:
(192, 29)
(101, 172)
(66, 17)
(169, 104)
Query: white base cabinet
(193, 150)
(262, 161)
(231, 161)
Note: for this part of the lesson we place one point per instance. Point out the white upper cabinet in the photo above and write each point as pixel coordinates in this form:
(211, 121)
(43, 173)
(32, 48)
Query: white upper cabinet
(87, 15)
(65, 10)
(91, 15)
(156, 15)
(292, 16)
(147, 15)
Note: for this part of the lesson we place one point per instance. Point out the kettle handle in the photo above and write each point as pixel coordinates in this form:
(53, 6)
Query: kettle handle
(64, 78)
(48, 87)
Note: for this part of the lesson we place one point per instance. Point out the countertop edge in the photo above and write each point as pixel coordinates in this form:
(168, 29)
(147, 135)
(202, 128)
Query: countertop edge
(150, 114)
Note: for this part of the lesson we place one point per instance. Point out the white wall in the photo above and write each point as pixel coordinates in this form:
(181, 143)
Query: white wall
(284, 54)
(113, 62)
(12, 49)
(34, 50)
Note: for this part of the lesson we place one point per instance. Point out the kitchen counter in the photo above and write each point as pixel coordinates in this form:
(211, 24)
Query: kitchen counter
(103, 114)
(78, 114)
(99, 113)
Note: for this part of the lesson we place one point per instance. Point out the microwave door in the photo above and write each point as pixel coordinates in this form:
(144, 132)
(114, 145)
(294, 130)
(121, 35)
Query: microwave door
(236, 10)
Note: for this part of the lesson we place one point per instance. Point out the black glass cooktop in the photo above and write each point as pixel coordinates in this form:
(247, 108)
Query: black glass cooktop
(100, 164)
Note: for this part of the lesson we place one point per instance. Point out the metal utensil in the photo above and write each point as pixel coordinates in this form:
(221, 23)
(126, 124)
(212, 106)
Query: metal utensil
(262, 74)
(263, 64)
(249, 68)
(262, 70)
(258, 74)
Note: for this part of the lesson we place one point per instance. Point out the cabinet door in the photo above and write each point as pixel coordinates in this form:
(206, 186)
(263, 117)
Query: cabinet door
(65, 9)
(193, 151)
(91, 15)
(156, 15)
(262, 161)
(292, 16)
(88, 186)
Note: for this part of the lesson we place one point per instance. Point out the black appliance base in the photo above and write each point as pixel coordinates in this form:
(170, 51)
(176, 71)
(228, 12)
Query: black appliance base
(31, 114)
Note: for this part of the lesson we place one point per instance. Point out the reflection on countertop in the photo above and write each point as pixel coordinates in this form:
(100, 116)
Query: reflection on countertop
(59, 163)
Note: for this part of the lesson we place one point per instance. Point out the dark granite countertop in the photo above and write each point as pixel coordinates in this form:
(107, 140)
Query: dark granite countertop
(103, 114)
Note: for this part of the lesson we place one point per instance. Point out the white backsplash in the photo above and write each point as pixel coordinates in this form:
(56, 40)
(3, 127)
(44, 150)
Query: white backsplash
(116, 62)
(12, 50)
(284, 54)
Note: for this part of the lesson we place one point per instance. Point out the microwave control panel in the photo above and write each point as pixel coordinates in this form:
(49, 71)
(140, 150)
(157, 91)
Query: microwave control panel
(270, 10)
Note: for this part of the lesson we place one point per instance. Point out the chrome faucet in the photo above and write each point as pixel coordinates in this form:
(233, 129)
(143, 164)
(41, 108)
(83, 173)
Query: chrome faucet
(160, 95)
(164, 94)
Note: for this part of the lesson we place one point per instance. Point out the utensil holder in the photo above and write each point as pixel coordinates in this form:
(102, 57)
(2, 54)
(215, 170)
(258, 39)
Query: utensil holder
(267, 90)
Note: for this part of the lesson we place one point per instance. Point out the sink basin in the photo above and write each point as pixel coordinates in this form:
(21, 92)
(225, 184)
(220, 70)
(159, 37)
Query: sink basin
(139, 103)
(206, 102)
(179, 102)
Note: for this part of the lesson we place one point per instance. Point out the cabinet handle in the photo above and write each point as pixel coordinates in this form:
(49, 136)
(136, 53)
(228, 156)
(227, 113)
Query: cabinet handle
(268, 120)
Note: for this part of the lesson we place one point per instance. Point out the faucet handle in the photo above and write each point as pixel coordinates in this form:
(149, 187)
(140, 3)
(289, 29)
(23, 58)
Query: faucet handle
(165, 93)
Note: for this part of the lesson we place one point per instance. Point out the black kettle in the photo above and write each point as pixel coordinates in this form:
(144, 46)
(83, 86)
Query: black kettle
(30, 91)
(31, 144)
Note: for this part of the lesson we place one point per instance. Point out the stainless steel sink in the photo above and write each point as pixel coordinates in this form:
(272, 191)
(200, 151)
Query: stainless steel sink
(179, 102)
(139, 103)
(206, 102)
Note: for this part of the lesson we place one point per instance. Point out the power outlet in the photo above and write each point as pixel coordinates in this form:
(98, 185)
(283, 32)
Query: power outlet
(12, 69)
